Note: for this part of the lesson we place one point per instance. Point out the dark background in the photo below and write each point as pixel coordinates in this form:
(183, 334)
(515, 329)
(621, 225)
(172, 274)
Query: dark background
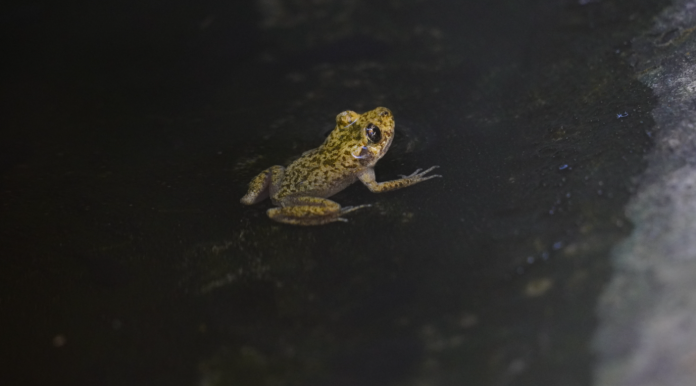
(130, 130)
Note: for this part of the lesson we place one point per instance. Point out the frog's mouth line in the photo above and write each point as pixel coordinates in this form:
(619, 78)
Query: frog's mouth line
(363, 152)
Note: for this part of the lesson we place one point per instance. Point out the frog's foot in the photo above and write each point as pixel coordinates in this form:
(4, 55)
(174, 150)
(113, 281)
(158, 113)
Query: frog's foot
(420, 176)
(310, 211)
(368, 178)
(348, 209)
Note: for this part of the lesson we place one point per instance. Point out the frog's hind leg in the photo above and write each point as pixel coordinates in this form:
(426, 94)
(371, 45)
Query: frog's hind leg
(263, 185)
(310, 211)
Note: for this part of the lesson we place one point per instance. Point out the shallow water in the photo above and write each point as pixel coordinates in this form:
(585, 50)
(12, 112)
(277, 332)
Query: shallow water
(129, 260)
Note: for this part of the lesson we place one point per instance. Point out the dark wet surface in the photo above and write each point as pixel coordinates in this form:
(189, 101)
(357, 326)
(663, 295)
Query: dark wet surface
(131, 131)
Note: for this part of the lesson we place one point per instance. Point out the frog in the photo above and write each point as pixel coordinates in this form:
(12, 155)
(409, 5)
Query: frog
(350, 152)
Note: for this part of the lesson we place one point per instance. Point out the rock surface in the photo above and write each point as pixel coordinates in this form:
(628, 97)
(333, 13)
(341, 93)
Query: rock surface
(647, 333)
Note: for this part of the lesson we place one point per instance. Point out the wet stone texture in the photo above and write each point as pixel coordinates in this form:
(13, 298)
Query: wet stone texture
(128, 259)
(647, 333)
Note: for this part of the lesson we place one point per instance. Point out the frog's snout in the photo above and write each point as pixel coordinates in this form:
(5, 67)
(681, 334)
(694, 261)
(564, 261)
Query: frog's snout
(383, 112)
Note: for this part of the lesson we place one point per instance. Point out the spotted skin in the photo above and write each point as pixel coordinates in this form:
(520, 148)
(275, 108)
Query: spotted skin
(349, 153)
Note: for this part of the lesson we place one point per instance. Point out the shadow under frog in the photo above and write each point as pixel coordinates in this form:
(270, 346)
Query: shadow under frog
(349, 153)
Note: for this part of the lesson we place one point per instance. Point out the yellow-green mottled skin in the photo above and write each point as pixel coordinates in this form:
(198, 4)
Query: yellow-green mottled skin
(349, 153)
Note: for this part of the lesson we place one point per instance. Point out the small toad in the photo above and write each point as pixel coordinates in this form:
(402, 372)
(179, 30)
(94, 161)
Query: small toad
(349, 153)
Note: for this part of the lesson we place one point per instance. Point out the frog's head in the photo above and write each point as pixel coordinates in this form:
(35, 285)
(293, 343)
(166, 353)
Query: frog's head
(374, 132)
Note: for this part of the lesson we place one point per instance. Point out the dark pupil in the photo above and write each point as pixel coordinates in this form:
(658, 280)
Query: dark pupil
(373, 133)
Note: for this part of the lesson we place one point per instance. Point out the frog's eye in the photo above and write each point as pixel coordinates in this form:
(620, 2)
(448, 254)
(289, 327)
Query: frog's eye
(384, 114)
(374, 134)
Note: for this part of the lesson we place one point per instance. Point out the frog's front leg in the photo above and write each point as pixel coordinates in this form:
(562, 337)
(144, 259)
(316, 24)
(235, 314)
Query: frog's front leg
(307, 210)
(263, 185)
(367, 177)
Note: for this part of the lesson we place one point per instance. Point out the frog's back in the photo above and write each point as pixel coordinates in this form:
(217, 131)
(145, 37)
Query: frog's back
(330, 168)
(319, 173)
